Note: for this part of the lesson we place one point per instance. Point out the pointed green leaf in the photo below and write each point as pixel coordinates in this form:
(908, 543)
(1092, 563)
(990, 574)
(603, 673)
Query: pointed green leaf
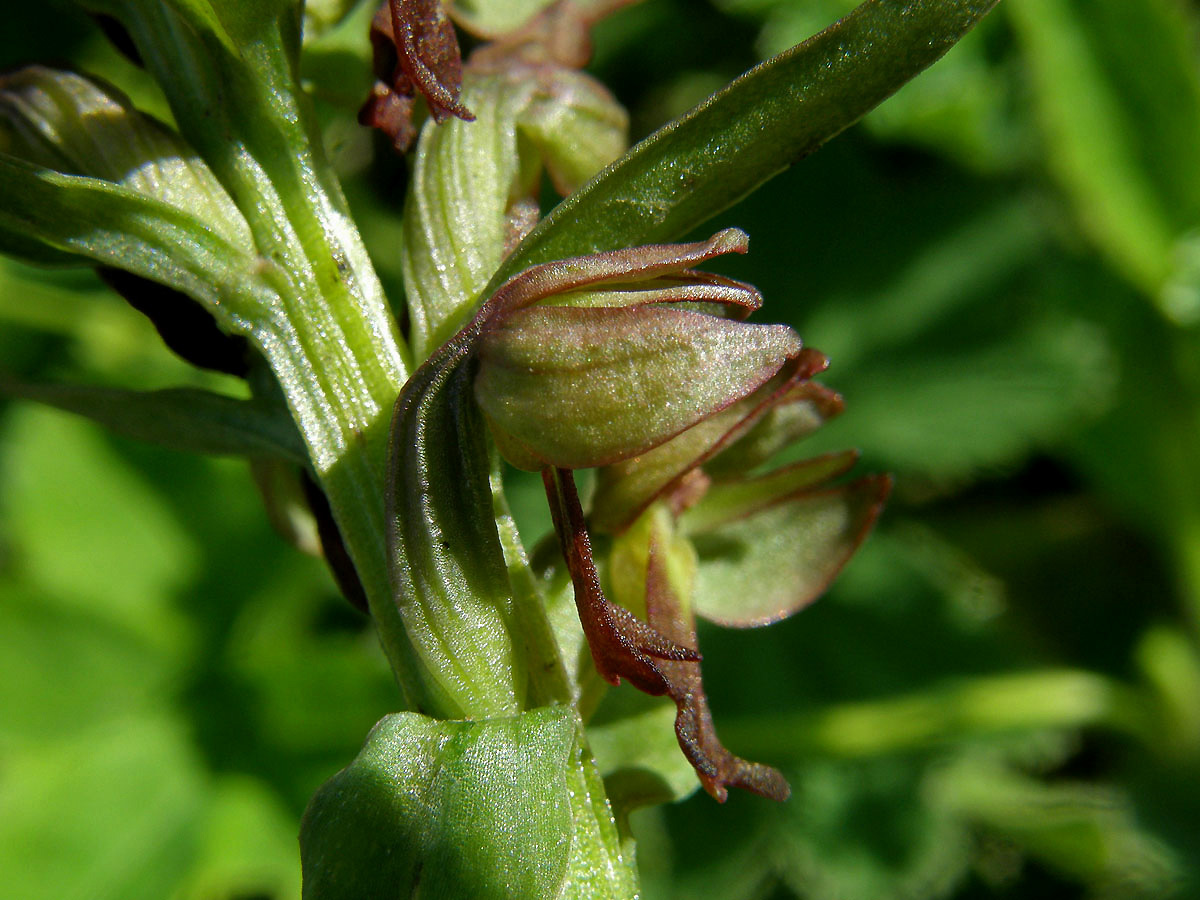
(960, 108)
(116, 226)
(790, 550)
(763, 122)
(577, 388)
(194, 421)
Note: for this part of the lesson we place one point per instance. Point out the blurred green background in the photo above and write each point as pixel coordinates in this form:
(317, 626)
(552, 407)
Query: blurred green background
(1000, 698)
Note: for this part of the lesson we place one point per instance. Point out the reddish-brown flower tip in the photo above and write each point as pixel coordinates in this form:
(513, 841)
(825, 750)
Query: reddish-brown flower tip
(415, 51)
(717, 768)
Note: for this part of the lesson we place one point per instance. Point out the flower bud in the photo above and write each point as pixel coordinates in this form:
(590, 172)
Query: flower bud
(610, 364)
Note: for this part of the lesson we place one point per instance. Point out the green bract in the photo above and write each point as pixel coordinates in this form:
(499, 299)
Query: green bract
(474, 182)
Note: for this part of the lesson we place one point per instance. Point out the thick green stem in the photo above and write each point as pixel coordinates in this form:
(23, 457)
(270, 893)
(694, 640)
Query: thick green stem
(324, 327)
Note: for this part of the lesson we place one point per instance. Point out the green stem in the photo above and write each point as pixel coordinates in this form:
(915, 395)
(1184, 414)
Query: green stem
(327, 332)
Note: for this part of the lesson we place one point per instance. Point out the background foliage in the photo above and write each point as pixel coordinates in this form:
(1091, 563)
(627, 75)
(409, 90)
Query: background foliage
(999, 698)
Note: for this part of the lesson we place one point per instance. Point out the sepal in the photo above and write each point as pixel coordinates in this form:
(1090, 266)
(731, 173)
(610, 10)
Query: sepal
(791, 531)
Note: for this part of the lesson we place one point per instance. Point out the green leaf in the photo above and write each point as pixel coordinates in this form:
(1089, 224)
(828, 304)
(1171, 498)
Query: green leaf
(247, 846)
(106, 812)
(470, 180)
(65, 122)
(187, 419)
(961, 107)
(114, 225)
(763, 122)
(447, 809)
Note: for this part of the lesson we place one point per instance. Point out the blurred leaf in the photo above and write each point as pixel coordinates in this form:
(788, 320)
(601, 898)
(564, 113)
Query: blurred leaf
(65, 670)
(247, 845)
(953, 712)
(949, 417)
(491, 18)
(964, 265)
(857, 831)
(478, 809)
(766, 120)
(335, 68)
(108, 812)
(1094, 136)
(1088, 833)
(91, 531)
(865, 833)
(194, 421)
(322, 15)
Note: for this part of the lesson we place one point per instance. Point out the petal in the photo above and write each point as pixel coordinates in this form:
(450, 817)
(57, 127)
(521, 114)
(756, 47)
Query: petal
(806, 407)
